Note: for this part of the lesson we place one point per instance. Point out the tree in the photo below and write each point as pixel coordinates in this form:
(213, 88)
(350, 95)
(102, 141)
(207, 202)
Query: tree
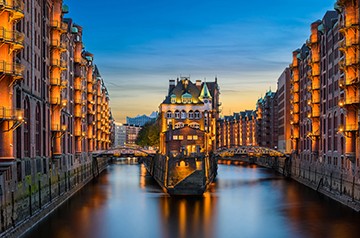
(149, 135)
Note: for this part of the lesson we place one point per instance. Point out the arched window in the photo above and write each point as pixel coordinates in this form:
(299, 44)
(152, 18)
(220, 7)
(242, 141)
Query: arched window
(37, 130)
(197, 114)
(177, 114)
(27, 127)
(186, 98)
(168, 114)
(183, 114)
(191, 114)
(173, 98)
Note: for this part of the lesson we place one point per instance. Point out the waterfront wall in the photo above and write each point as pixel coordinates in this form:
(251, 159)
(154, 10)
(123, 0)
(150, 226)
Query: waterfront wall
(44, 186)
(342, 185)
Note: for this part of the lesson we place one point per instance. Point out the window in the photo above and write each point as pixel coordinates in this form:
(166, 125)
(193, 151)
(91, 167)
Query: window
(186, 98)
(179, 125)
(168, 114)
(181, 137)
(191, 114)
(173, 98)
(194, 125)
(195, 137)
(189, 137)
(183, 114)
(177, 114)
(175, 137)
(197, 114)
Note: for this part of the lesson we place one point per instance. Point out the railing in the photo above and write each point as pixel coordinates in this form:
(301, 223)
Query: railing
(16, 5)
(78, 113)
(348, 127)
(11, 68)
(62, 26)
(58, 44)
(12, 36)
(58, 127)
(59, 63)
(55, 81)
(78, 100)
(352, 100)
(78, 86)
(11, 114)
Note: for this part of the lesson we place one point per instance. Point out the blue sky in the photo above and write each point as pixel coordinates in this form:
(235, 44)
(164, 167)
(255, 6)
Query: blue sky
(139, 45)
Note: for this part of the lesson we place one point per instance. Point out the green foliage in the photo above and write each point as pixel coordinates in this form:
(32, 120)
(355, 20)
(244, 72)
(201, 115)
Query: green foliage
(149, 135)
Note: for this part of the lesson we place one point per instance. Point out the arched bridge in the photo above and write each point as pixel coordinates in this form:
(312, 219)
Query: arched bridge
(250, 151)
(125, 151)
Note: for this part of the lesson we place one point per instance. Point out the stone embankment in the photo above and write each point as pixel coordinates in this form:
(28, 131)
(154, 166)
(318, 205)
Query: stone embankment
(38, 196)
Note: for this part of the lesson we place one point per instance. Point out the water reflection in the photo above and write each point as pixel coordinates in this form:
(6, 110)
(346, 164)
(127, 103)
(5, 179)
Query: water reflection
(245, 201)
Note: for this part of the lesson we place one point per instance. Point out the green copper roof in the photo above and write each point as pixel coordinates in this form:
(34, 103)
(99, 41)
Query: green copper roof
(186, 95)
(205, 92)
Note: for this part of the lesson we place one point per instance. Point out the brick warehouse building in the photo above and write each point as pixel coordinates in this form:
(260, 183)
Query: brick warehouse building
(54, 104)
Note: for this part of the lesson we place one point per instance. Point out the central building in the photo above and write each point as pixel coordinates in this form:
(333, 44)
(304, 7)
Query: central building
(185, 164)
(188, 117)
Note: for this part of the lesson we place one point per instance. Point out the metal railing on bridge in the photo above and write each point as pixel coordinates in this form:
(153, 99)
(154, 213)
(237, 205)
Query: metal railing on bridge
(127, 151)
(253, 151)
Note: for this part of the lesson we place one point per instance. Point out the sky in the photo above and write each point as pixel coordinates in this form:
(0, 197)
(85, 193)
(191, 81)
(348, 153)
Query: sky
(138, 45)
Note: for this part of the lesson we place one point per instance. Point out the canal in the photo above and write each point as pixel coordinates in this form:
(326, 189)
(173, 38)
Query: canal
(245, 201)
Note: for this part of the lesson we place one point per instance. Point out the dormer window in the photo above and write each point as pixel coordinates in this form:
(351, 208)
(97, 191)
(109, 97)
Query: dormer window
(186, 98)
(173, 98)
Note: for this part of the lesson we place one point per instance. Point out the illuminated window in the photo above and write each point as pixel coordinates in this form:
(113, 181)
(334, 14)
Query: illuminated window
(173, 98)
(181, 137)
(186, 98)
(175, 137)
(189, 137)
(179, 125)
(194, 125)
(195, 137)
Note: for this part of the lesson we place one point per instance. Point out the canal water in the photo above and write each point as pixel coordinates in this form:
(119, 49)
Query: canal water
(245, 201)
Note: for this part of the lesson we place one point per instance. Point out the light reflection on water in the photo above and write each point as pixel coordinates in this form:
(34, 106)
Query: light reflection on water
(245, 201)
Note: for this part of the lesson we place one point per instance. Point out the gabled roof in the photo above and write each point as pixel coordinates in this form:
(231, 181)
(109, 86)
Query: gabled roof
(205, 93)
(184, 87)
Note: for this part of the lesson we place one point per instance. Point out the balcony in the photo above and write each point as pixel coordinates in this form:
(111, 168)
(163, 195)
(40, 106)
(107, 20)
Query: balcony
(59, 64)
(78, 86)
(56, 100)
(11, 69)
(57, 44)
(352, 100)
(80, 60)
(11, 114)
(78, 113)
(78, 101)
(15, 7)
(55, 81)
(348, 62)
(15, 38)
(347, 128)
(58, 127)
(78, 132)
(59, 25)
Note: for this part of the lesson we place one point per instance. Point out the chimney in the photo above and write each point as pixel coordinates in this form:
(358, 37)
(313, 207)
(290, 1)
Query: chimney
(198, 84)
(171, 85)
